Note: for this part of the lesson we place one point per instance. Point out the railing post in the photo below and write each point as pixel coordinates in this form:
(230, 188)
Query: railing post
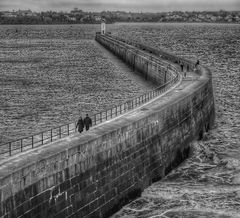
(106, 115)
(60, 132)
(51, 135)
(116, 111)
(68, 129)
(10, 148)
(100, 117)
(111, 112)
(32, 142)
(120, 109)
(21, 144)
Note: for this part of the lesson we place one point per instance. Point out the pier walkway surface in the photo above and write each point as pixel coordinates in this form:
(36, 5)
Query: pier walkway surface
(12, 163)
(121, 65)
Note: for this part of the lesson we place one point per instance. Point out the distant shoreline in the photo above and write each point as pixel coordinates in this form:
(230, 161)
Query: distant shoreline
(78, 16)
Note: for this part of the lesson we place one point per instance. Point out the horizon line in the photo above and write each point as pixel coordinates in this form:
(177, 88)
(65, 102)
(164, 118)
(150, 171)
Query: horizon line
(15, 10)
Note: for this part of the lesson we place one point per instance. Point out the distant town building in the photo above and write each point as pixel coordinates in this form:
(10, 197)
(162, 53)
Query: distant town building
(47, 19)
(8, 14)
(26, 13)
(97, 18)
(70, 18)
(76, 12)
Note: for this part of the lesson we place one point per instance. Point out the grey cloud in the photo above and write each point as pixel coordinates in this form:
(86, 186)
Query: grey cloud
(127, 5)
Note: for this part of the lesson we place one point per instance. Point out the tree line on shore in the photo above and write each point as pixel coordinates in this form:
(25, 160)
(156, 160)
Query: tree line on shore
(77, 16)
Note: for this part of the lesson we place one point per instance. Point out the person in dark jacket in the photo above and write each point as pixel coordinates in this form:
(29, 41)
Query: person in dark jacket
(181, 65)
(80, 125)
(197, 63)
(87, 122)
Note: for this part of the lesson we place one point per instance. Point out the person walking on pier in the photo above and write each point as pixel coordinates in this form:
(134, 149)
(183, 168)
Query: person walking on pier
(197, 63)
(80, 125)
(181, 65)
(87, 122)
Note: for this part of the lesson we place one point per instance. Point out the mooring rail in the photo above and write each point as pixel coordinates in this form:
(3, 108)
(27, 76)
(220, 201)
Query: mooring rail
(45, 137)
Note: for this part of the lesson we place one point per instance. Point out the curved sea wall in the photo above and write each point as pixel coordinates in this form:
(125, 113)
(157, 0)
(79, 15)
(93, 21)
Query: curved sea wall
(151, 68)
(94, 174)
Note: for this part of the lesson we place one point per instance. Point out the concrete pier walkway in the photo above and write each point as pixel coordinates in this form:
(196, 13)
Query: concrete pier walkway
(126, 69)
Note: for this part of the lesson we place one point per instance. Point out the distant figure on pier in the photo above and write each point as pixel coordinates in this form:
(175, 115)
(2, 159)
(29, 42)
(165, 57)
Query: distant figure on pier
(181, 65)
(87, 122)
(80, 125)
(197, 63)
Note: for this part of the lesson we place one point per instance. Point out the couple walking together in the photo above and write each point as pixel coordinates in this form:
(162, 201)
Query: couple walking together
(87, 123)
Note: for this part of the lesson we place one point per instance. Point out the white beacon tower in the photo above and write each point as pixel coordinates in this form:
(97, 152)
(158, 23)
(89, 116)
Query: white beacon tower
(103, 27)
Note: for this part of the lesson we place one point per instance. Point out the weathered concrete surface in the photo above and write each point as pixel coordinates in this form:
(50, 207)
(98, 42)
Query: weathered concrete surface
(93, 174)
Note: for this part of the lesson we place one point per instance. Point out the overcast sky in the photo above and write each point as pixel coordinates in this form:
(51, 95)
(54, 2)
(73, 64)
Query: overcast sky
(125, 5)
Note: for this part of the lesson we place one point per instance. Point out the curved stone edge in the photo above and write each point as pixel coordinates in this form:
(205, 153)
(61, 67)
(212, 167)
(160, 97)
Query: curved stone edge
(94, 174)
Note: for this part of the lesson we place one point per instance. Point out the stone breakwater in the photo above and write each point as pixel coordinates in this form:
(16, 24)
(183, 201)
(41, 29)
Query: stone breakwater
(95, 173)
(208, 183)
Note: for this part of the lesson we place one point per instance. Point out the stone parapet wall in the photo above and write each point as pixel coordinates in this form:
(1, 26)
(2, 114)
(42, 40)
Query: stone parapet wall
(188, 65)
(94, 174)
(153, 69)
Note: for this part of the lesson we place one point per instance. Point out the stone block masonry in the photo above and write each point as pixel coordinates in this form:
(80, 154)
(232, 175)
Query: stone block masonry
(94, 174)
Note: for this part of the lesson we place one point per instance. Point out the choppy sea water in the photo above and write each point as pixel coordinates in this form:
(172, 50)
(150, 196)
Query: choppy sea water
(208, 183)
(50, 75)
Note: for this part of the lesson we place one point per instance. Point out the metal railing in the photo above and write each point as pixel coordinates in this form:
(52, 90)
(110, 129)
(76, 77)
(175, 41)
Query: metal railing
(42, 138)
(155, 51)
(162, 64)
